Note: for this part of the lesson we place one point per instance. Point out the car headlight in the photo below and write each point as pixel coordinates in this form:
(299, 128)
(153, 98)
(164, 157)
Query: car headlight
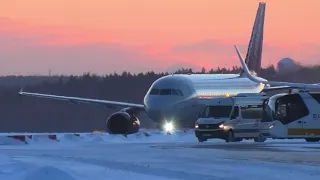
(196, 126)
(221, 126)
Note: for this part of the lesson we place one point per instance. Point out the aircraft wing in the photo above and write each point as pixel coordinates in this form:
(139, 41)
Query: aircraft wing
(109, 104)
(273, 83)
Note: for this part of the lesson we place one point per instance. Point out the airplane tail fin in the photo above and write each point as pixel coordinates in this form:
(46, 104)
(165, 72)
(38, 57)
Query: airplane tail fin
(254, 52)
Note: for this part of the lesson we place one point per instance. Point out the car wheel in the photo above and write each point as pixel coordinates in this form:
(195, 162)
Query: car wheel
(202, 139)
(312, 139)
(260, 138)
(230, 137)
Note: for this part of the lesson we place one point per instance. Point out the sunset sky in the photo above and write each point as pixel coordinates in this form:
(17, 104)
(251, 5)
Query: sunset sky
(103, 36)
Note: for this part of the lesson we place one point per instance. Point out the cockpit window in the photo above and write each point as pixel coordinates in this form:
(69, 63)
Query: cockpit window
(154, 92)
(174, 92)
(180, 92)
(165, 92)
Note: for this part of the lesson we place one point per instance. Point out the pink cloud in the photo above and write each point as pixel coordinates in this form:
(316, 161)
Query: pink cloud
(223, 49)
(33, 49)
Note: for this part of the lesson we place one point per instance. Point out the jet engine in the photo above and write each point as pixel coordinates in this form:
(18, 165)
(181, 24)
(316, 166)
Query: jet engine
(123, 122)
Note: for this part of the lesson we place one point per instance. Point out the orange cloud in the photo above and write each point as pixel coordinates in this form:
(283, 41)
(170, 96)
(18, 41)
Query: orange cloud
(29, 49)
(146, 35)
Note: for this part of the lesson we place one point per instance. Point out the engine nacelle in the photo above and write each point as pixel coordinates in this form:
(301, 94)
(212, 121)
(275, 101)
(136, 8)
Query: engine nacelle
(123, 123)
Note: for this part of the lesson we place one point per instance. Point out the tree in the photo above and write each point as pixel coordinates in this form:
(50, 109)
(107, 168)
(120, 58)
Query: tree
(203, 70)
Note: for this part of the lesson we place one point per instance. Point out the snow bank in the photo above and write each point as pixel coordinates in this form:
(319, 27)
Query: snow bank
(42, 138)
(4, 140)
(48, 173)
(143, 136)
(70, 137)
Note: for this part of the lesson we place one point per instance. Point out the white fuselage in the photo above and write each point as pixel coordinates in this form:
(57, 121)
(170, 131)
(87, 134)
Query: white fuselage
(164, 100)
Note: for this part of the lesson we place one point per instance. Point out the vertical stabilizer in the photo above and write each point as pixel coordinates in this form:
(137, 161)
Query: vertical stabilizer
(254, 53)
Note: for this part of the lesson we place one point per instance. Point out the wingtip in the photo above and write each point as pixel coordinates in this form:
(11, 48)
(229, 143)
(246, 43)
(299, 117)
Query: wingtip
(21, 91)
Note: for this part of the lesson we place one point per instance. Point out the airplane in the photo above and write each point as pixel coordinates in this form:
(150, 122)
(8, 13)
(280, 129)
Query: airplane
(175, 101)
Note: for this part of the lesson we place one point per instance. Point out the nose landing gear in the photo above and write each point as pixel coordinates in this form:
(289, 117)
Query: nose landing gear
(166, 127)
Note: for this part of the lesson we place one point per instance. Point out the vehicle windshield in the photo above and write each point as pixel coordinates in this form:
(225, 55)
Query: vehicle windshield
(268, 111)
(286, 109)
(217, 111)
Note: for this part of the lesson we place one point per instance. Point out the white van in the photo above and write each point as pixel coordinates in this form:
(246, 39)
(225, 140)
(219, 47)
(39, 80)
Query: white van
(293, 115)
(232, 119)
(245, 123)
(216, 112)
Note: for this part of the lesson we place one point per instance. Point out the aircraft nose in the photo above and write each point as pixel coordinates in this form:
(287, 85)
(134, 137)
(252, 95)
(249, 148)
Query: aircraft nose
(154, 112)
(157, 110)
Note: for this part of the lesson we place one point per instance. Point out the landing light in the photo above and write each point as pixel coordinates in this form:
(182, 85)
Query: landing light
(227, 95)
(168, 127)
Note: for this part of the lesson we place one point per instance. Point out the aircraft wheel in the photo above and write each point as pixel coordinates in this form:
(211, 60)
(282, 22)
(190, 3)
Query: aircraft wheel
(230, 137)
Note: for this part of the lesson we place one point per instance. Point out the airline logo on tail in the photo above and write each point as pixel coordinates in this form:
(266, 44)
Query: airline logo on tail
(254, 52)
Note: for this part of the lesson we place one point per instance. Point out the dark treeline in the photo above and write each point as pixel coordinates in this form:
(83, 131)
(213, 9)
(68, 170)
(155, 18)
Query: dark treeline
(29, 114)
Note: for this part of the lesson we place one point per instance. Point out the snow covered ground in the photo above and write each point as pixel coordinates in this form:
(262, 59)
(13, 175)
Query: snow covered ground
(156, 157)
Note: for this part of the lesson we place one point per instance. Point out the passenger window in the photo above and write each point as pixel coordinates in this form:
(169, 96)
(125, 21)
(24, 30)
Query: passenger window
(251, 112)
(316, 97)
(165, 92)
(154, 92)
(180, 92)
(174, 92)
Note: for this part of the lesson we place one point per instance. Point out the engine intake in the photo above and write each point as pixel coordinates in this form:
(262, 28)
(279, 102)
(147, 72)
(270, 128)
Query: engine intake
(123, 123)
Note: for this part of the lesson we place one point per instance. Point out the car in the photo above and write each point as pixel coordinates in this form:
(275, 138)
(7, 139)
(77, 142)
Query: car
(231, 118)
